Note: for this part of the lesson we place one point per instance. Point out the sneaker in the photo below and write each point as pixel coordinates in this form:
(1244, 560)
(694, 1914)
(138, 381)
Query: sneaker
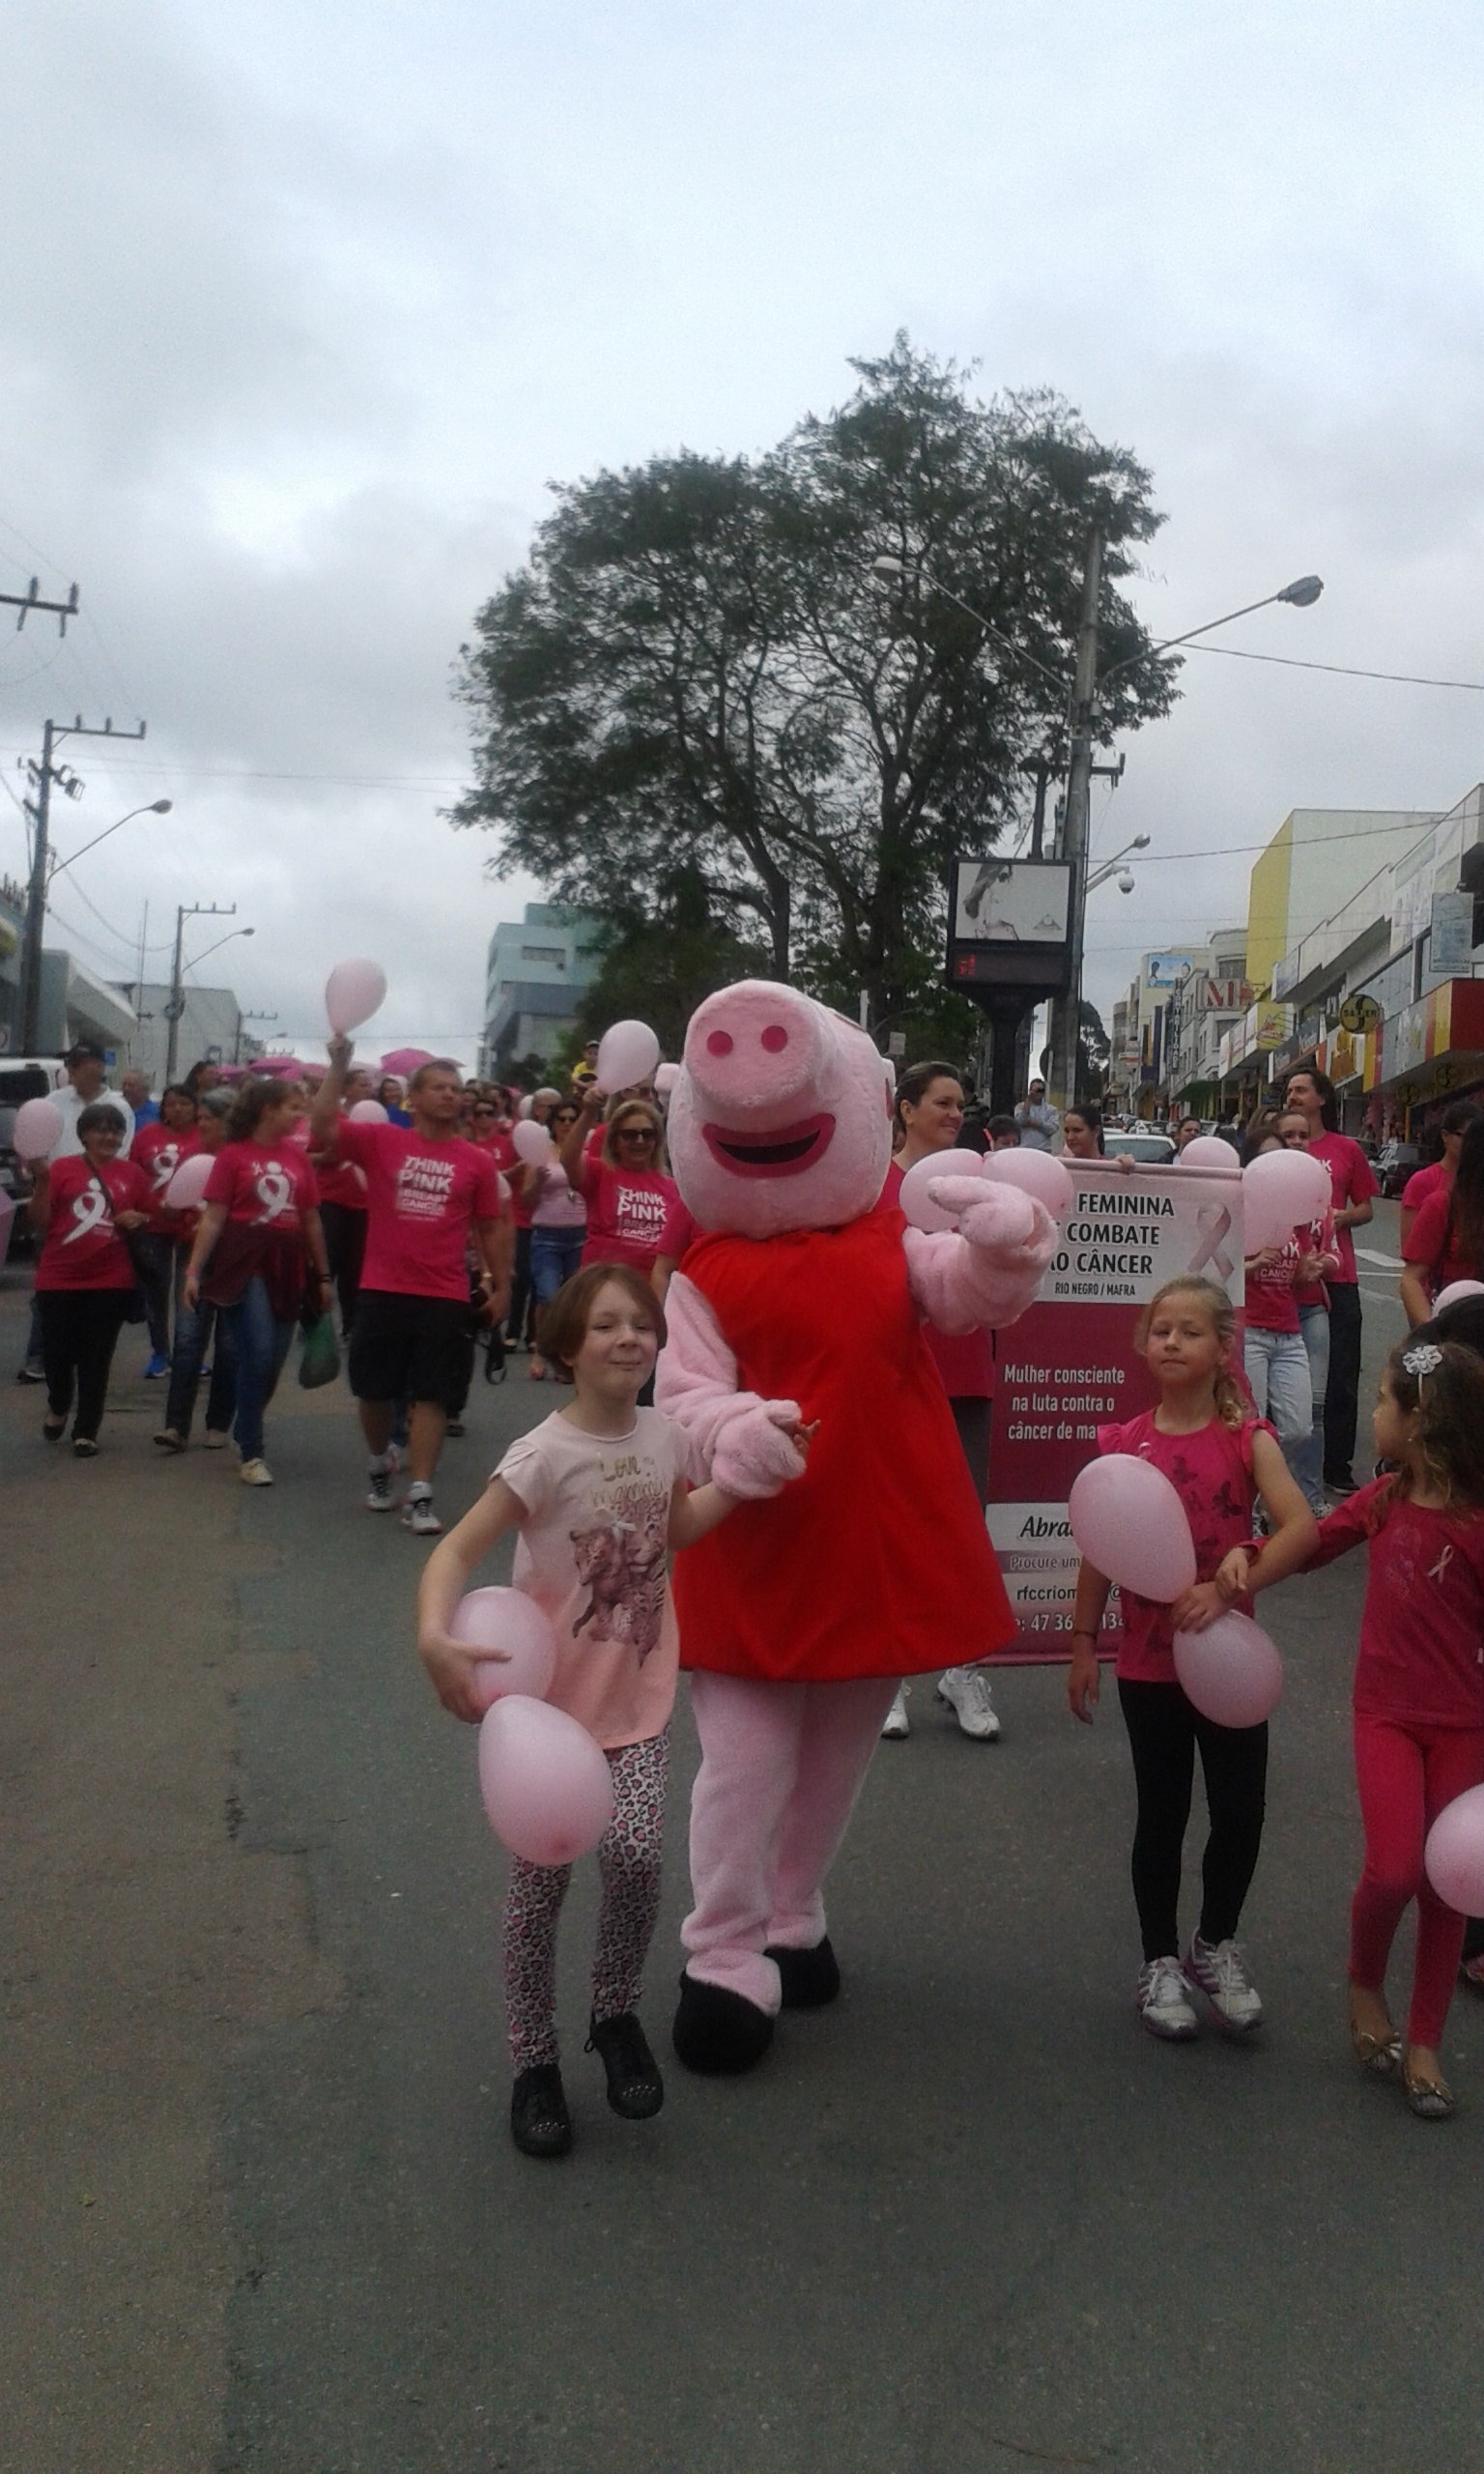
(378, 1485)
(256, 1472)
(1342, 1485)
(419, 1516)
(84, 1448)
(1220, 1970)
(635, 2087)
(33, 1371)
(540, 2124)
(1165, 2001)
(965, 1690)
(895, 1724)
(157, 1366)
(169, 1440)
(216, 1438)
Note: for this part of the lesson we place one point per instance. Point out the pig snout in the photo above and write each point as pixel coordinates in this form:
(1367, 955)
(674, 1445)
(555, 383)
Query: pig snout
(757, 1047)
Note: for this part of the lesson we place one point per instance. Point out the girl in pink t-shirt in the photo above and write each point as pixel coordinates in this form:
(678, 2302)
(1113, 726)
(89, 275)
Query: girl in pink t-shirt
(599, 1498)
(1219, 1458)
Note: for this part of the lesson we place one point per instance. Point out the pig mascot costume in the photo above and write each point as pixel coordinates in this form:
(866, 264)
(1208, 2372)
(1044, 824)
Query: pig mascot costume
(798, 1616)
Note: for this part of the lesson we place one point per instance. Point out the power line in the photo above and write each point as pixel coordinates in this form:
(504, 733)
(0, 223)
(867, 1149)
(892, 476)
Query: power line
(1338, 669)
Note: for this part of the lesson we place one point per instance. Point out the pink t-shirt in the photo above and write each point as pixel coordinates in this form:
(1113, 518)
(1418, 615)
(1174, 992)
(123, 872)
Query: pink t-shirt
(1271, 1297)
(1436, 1247)
(83, 1248)
(158, 1152)
(965, 1359)
(262, 1186)
(1352, 1180)
(1417, 1190)
(1211, 1473)
(1421, 1659)
(422, 1198)
(554, 1202)
(593, 1554)
(627, 1213)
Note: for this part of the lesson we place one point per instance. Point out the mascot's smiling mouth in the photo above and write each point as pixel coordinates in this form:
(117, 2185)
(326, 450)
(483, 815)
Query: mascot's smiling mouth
(782, 1152)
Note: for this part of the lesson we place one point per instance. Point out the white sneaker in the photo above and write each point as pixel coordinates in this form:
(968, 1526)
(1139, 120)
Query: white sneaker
(1165, 2001)
(214, 1439)
(965, 1690)
(894, 1724)
(1221, 1973)
(256, 1472)
(419, 1516)
(378, 1485)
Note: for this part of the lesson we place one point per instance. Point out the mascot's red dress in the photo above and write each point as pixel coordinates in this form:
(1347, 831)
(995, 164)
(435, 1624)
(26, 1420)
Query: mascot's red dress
(801, 1613)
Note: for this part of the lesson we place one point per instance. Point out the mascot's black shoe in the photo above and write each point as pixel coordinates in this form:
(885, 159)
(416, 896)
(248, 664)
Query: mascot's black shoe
(717, 2031)
(540, 2124)
(810, 1979)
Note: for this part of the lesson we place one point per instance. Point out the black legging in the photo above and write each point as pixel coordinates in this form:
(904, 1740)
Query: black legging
(1344, 1385)
(80, 1330)
(1163, 1733)
(520, 1322)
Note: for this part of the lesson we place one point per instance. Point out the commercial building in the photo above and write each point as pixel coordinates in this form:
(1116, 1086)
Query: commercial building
(211, 1027)
(537, 969)
(71, 1003)
(1166, 1032)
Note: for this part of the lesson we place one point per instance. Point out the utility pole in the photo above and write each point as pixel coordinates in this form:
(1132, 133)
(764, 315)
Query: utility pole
(177, 1006)
(39, 810)
(1066, 1011)
(252, 1015)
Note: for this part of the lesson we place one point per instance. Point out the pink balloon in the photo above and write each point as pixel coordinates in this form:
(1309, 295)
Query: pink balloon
(368, 1112)
(353, 993)
(1454, 1854)
(1281, 1192)
(1130, 1524)
(666, 1077)
(1231, 1671)
(1453, 1295)
(38, 1125)
(627, 1052)
(1209, 1151)
(186, 1190)
(921, 1210)
(1037, 1175)
(546, 1787)
(532, 1143)
(506, 1619)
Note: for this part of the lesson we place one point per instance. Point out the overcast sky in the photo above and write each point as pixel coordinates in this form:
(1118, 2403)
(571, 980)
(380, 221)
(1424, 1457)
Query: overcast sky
(301, 311)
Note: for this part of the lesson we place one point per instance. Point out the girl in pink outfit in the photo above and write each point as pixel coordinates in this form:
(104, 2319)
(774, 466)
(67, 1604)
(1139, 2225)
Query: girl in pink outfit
(1276, 1354)
(598, 1495)
(1420, 1686)
(1219, 1458)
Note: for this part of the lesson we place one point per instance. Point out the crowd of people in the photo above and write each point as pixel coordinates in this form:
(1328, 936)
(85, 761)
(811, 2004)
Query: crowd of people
(411, 1209)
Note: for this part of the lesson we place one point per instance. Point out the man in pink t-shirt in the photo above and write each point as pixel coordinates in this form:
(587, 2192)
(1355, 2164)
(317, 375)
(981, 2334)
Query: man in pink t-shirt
(431, 1196)
(1353, 1189)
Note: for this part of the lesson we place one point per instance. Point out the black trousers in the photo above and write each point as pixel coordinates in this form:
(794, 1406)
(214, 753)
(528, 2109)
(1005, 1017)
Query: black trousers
(345, 1252)
(1164, 1731)
(520, 1322)
(79, 1331)
(1344, 1385)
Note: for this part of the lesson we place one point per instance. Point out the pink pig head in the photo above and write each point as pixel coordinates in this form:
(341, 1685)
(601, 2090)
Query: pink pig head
(782, 1116)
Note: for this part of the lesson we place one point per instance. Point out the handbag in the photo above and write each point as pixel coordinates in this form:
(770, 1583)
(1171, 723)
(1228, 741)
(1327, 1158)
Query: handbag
(136, 1310)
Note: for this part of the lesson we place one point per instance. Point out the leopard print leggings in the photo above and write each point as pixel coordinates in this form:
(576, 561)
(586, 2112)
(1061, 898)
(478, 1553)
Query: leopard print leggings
(629, 1869)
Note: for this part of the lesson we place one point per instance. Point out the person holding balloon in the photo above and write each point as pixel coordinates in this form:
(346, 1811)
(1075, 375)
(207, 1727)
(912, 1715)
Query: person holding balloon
(598, 1496)
(1418, 1694)
(1283, 1260)
(83, 1207)
(1173, 1576)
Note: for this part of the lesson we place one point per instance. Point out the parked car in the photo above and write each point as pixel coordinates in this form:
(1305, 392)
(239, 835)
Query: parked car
(1395, 1162)
(21, 1078)
(1149, 1149)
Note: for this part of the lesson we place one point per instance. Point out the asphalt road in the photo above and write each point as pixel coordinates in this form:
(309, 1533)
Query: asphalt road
(969, 2219)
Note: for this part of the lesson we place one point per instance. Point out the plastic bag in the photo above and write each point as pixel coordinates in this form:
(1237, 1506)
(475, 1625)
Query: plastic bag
(320, 1359)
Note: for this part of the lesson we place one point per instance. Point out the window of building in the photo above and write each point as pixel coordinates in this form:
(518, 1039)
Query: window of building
(557, 955)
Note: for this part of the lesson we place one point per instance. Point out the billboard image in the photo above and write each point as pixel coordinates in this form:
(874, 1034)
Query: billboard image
(1013, 901)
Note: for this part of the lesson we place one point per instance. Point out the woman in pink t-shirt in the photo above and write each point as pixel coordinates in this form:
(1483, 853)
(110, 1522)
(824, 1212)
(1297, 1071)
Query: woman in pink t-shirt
(1451, 1128)
(1447, 1239)
(1275, 1355)
(628, 1193)
(1219, 1458)
(927, 1116)
(83, 1207)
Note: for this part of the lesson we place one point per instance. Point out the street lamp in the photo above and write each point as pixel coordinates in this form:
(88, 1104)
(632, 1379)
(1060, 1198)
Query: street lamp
(176, 1005)
(156, 807)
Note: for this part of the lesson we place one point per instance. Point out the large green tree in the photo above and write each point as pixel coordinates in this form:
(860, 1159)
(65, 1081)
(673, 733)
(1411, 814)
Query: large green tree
(699, 675)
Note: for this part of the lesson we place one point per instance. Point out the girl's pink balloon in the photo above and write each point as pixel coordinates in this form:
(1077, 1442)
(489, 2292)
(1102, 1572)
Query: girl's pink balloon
(353, 993)
(1281, 1192)
(546, 1787)
(1130, 1524)
(38, 1125)
(506, 1619)
(1454, 1854)
(532, 1145)
(921, 1210)
(186, 1190)
(1231, 1671)
(1209, 1151)
(1453, 1295)
(405, 1060)
(1036, 1174)
(368, 1112)
(524, 1105)
(666, 1077)
(627, 1052)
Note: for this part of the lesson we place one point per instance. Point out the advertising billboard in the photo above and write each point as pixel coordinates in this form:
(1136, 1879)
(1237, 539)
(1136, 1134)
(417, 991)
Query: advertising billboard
(1011, 902)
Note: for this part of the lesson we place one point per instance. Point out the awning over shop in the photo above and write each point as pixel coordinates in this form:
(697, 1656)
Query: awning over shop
(1436, 1046)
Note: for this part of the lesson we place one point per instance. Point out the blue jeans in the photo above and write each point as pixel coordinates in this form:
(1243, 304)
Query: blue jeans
(193, 1339)
(554, 1255)
(1277, 1366)
(1308, 1462)
(260, 1345)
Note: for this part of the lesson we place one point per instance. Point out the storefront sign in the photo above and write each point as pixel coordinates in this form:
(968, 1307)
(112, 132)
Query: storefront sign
(1451, 947)
(1068, 1367)
(1273, 1023)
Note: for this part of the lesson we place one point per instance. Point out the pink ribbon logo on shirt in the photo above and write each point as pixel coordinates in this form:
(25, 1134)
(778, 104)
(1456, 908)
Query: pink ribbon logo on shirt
(88, 1209)
(1213, 1222)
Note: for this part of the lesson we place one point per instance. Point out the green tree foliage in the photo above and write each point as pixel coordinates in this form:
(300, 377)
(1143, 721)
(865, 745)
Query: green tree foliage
(658, 965)
(698, 671)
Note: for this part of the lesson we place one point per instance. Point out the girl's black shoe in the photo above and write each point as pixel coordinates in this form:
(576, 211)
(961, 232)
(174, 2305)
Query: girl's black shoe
(635, 2087)
(540, 2124)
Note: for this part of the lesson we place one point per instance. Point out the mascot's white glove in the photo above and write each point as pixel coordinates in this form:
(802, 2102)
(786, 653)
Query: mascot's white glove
(987, 1274)
(755, 1455)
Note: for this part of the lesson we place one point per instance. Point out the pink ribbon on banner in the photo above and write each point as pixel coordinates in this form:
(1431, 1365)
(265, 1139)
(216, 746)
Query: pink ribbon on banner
(1214, 1221)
